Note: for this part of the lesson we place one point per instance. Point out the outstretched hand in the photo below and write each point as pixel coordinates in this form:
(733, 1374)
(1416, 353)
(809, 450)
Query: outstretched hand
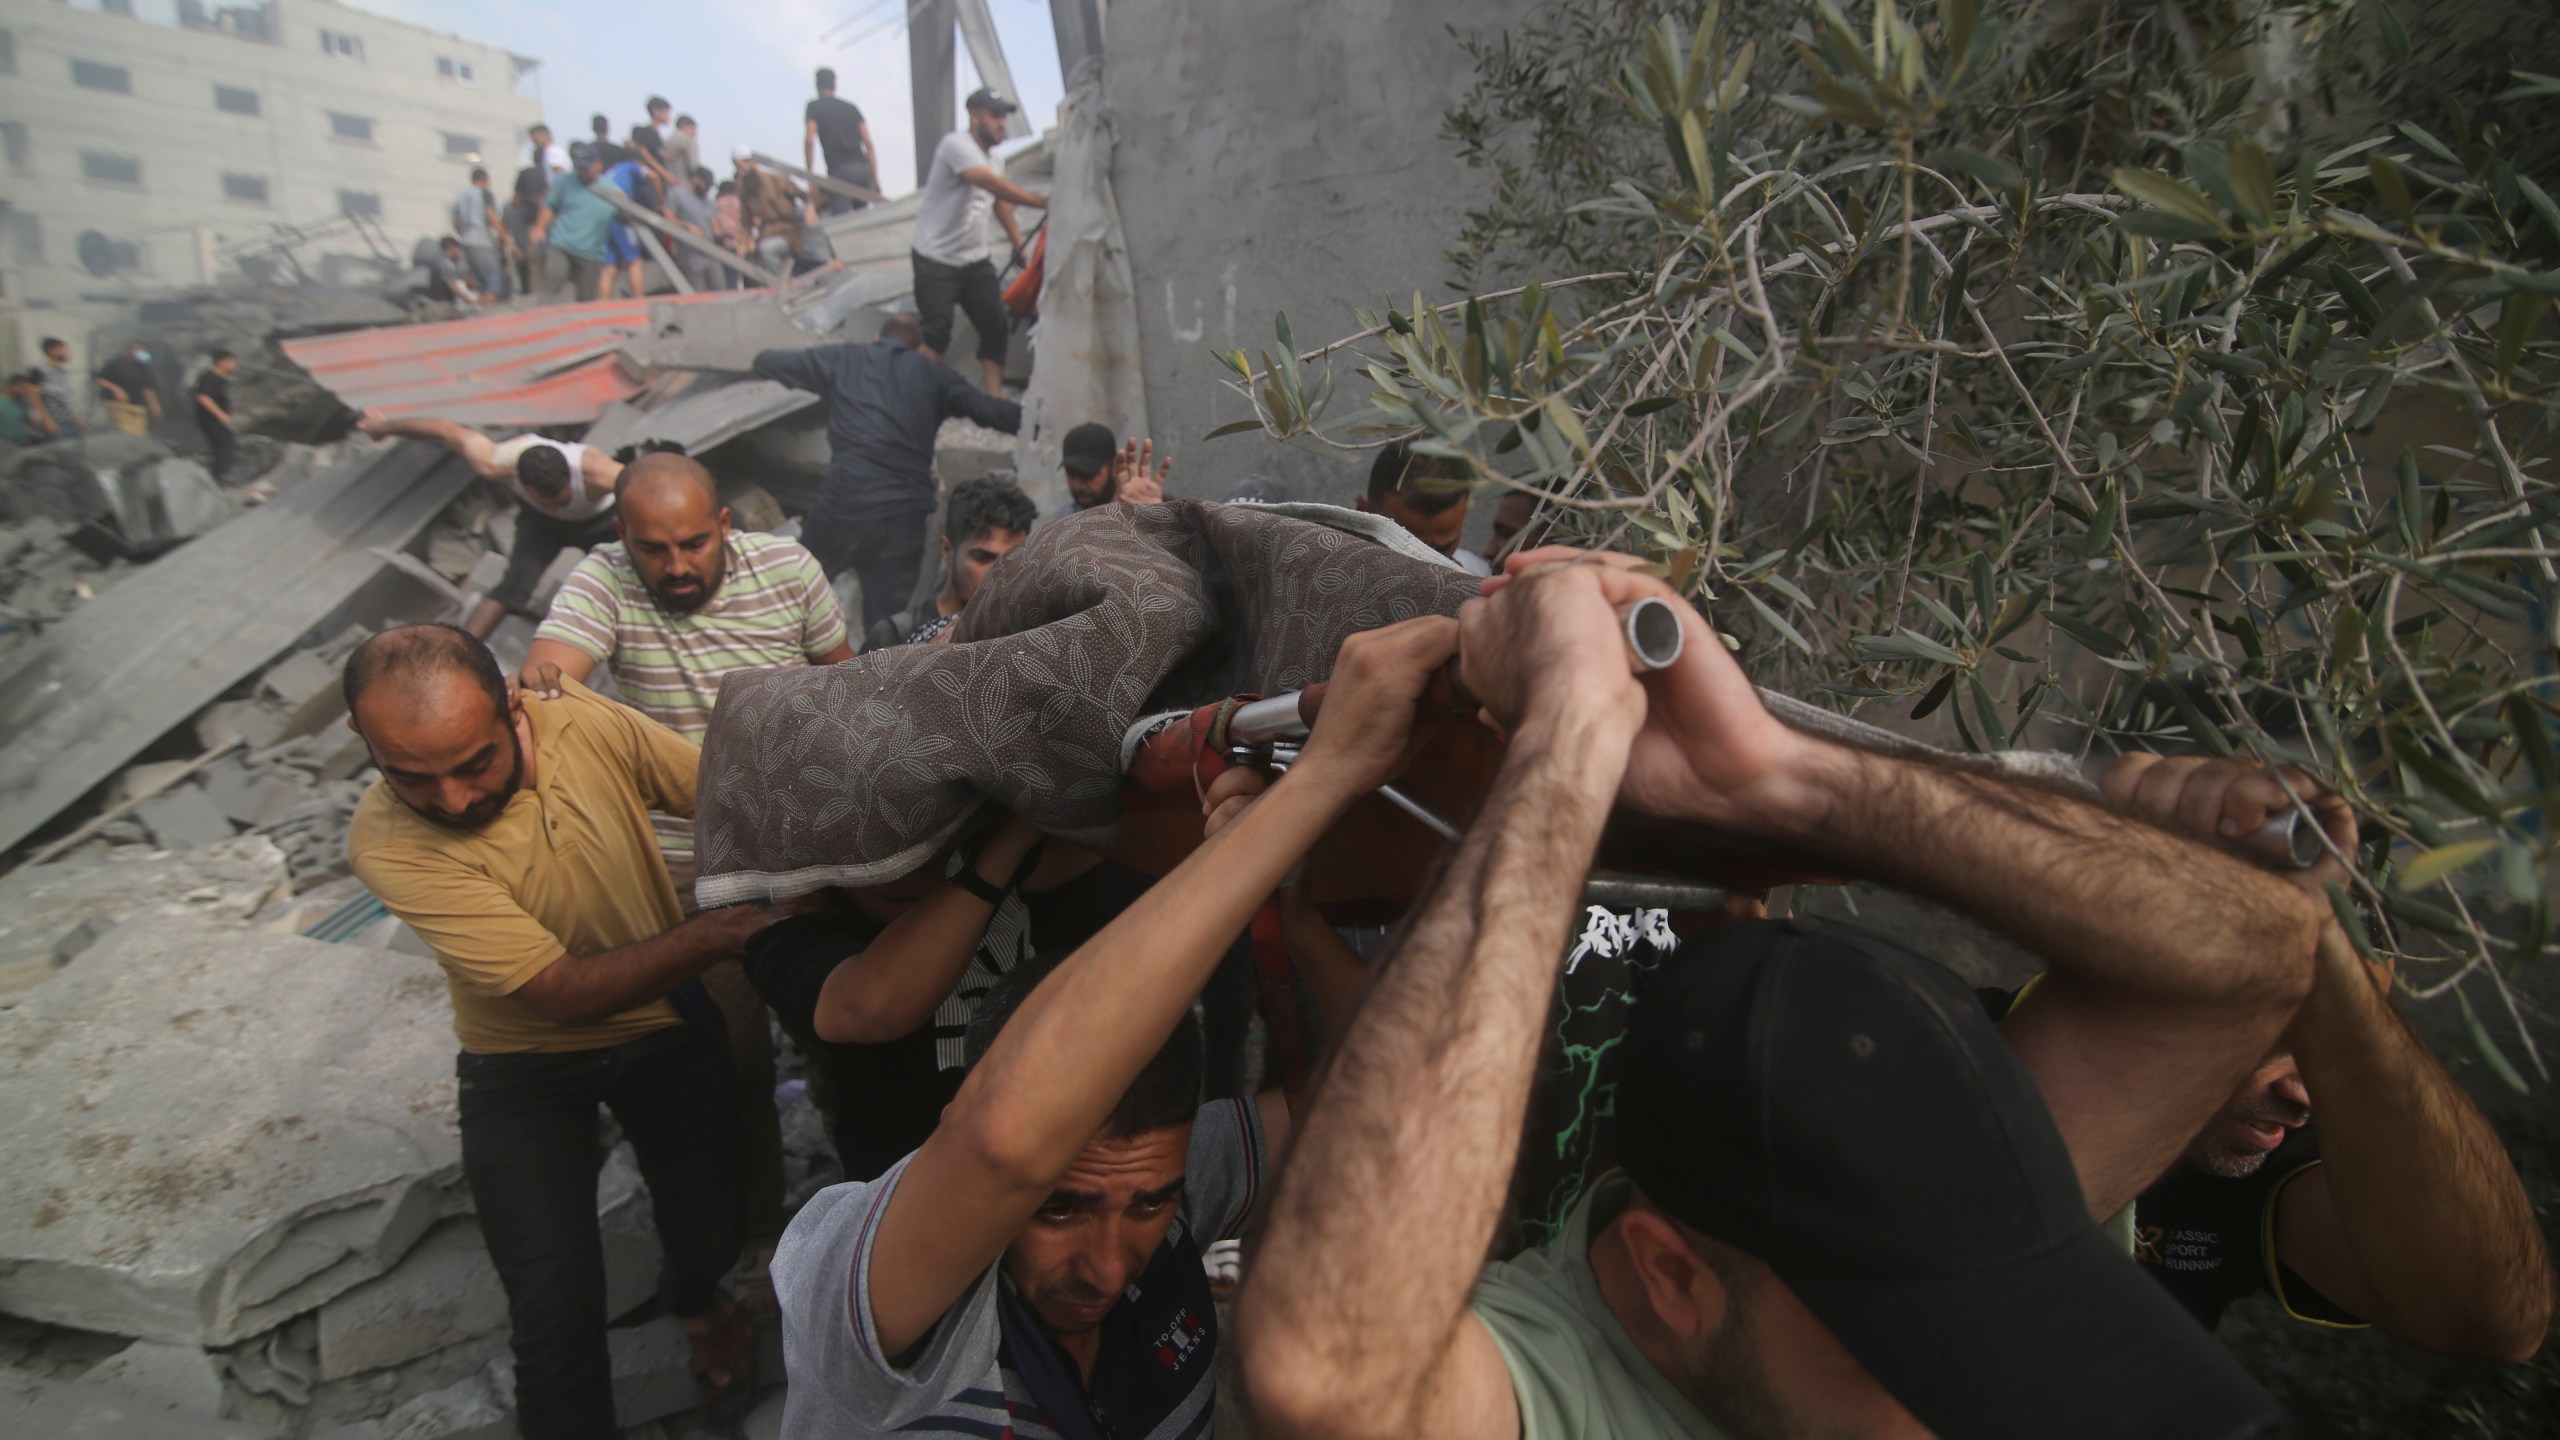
(1131, 476)
(1378, 708)
(2225, 803)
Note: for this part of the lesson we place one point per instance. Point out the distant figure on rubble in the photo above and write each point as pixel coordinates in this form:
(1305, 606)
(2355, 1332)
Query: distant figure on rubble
(1100, 469)
(61, 392)
(480, 225)
(680, 600)
(649, 141)
(692, 207)
(606, 151)
(213, 411)
(23, 419)
(684, 148)
(885, 401)
(1435, 513)
(981, 523)
(951, 260)
(449, 276)
(577, 222)
(564, 492)
(132, 392)
(775, 214)
(511, 833)
(623, 252)
(546, 155)
(835, 129)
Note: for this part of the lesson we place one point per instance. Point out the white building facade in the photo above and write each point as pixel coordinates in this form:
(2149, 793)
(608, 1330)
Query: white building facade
(150, 143)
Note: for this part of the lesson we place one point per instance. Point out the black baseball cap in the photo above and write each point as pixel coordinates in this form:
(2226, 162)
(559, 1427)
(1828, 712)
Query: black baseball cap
(1089, 448)
(985, 99)
(1842, 1109)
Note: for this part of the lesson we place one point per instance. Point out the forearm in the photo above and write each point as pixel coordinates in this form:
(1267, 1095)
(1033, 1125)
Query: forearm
(1333, 971)
(1011, 223)
(1077, 1041)
(583, 989)
(893, 986)
(2440, 1230)
(1381, 1220)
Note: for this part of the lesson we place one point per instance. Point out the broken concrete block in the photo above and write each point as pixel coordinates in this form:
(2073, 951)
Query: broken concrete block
(179, 1379)
(284, 1367)
(476, 1407)
(341, 754)
(632, 1255)
(183, 819)
(369, 1397)
(213, 1131)
(257, 723)
(442, 1291)
(253, 797)
(652, 1371)
(485, 572)
(44, 908)
(453, 556)
(149, 778)
(32, 1405)
(308, 688)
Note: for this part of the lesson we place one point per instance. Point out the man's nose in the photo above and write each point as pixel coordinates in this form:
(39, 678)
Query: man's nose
(2292, 1091)
(1103, 1265)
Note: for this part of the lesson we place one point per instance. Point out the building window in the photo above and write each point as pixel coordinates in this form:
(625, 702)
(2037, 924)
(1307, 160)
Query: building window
(111, 169)
(26, 237)
(235, 100)
(251, 188)
(351, 127)
(359, 204)
(460, 72)
(462, 147)
(13, 143)
(8, 52)
(90, 75)
(345, 47)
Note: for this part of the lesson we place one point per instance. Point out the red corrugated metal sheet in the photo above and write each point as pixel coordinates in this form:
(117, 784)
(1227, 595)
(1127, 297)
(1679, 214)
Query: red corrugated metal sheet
(551, 365)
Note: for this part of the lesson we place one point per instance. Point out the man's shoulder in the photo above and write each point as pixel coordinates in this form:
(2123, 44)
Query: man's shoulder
(959, 152)
(773, 556)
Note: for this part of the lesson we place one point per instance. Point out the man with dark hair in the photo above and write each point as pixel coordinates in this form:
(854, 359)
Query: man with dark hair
(23, 420)
(577, 222)
(480, 225)
(835, 130)
(1512, 521)
(1427, 495)
(1100, 469)
(608, 153)
(60, 394)
(691, 206)
(449, 277)
(213, 411)
(1034, 1267)
(649, 143)
(951, 261)
(684, 151)
(776, 215)
(1848, 1204)
(981, 523)
(564, 493)
(544, 155)
(885, 402)
(511, 833)
(132, 392)
(624, 255)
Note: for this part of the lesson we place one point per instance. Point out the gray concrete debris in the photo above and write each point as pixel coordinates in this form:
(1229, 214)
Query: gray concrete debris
(442, 1291)
(44, 907)
(652, 1371)
(307, 687)
(375, 1394)
(962, 451)
(257, 722)
(183, 819)
(477, 1407)
(33, 1406)
(183, 1380)
(632, 1255)
(122, 496)
(215, 1131)
(285, 1366)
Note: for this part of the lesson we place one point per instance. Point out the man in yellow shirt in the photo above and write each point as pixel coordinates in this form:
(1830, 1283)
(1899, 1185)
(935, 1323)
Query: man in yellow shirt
(512, 834)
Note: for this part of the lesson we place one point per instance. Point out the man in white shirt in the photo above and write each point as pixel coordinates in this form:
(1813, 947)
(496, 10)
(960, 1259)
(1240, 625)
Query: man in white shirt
(951, 236)
(546, 154)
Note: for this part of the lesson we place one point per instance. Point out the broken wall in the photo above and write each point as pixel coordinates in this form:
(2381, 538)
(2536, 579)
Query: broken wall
(1279, 158)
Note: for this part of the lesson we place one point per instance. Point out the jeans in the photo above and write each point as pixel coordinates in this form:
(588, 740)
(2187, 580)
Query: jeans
(973, 288)
(530, 1151)
(852, 172)
(885, 552)
(486, 270)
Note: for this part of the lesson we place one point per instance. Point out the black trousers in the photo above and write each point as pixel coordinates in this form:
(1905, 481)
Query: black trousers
(530, 1150)
(540, 537)
(852, 172)
(974, 289)
(886, 552)
(225, 446)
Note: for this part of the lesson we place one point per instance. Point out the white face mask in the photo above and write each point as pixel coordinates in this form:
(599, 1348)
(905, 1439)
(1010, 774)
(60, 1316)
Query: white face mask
(142, 356)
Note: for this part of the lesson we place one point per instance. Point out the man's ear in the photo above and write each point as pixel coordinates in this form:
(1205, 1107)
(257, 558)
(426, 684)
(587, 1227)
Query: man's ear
(725, 520)
(1686, 1294)
(945, 543)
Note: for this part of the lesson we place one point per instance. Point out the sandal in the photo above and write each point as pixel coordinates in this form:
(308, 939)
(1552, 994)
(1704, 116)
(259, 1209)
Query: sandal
(724, 1351)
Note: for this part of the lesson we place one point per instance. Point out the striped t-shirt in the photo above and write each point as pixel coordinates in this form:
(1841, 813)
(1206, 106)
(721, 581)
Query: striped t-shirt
(773, 609)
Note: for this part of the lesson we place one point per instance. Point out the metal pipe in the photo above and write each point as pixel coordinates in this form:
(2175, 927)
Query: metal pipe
(1263, 721)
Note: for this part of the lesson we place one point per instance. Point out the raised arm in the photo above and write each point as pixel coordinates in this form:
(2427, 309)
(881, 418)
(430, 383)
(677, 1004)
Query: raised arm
(462, 440)
(955, 396)
(798, 369)
(2174, 967)
(582, 989)
(809, 146)
(1006, 192)
(892, 987)
(1354, 1320)
(1064, 1059)
(2415, 1218)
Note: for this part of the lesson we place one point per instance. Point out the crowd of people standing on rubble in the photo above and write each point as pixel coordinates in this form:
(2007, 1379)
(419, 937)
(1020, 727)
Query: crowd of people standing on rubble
(1843, 1194)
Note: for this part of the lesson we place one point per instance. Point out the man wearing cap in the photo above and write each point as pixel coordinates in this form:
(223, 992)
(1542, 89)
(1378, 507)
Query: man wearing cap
(951, 259)
(577, 222)
(1101, 470)
(1847, 1206)
(885, 402)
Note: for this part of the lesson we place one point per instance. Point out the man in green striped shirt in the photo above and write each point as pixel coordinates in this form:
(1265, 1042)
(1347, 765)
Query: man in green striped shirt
(681, 601)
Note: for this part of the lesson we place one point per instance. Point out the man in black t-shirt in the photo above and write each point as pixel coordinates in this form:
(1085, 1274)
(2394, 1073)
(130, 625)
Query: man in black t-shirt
(836, 128)
(131, 391)
(2413, 1219)
(213, 410)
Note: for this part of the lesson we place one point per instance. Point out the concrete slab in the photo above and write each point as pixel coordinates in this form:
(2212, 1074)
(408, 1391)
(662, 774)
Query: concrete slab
(652, 1371)
(42, 907)
(183, 819)
(307, 687)
(477, 1407)
(31, 1405)
(180, 1379)
(442, 1291)
(213, 1131)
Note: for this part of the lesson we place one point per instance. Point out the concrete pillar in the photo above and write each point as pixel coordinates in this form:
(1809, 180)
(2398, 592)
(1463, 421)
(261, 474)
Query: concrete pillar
(933, 59)
(1079, 27)
(986, 54)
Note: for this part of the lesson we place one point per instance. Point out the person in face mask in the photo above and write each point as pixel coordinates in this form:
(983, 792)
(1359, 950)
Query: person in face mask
(131, 393)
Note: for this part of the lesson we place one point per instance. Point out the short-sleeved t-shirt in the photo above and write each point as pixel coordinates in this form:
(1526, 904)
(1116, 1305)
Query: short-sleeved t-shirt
(217, 389)
(569, 867)
(15, 426)
(839, 125)
(962, 1382)
(580, 218)
(1576, 1371)
(774, 610)
(682, 154)
(129, 375)
(951, 220)
(474, 215)
(584, 503)
(633, 179)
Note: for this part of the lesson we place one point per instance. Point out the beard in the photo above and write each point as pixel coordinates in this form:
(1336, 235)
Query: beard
(685, 603)
(2234, 1160)
(487, 807)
